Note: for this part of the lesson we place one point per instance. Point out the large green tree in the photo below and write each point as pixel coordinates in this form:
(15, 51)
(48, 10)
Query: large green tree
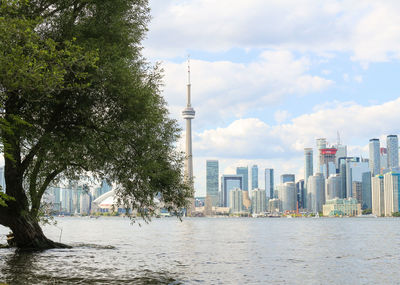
(77, 97)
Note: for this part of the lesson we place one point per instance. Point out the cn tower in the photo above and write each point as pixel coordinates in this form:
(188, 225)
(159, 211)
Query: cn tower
(188, 114)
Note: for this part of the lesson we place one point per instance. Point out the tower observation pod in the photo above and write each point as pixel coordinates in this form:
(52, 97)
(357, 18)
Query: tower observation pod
(188, 114)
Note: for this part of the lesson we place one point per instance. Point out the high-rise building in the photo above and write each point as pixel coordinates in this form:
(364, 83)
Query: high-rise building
(287, 178)
(378, 195)
(212, 181)
(357, 191)
(333, 187)
(236, 200)
(316, 192)
(301, 194)
(254, 177)
(366, 191)
(229, 182)
(321, 144)
(288, 196)
(342, 173)
(341, 152)
(269, 182)
(327, 158)
(355, 167)
(244, 171)
(374, 157)
(274, 205)
(308, 164)
(384, 158)
(258, 201)
(392, 151)
(391, 189)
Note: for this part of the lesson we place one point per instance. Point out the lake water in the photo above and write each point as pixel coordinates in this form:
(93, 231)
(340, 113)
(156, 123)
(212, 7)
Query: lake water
(212, 251)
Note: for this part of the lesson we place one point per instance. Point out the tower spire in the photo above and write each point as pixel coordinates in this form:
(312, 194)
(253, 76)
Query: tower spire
(188, 85)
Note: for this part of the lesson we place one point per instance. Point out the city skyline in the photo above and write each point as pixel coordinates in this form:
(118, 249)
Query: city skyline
(270, 92)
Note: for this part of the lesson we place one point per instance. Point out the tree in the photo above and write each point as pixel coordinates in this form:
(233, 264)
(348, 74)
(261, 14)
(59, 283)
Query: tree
(77, 98)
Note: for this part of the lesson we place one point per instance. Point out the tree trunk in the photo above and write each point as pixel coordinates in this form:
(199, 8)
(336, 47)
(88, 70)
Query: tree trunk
(28, 235)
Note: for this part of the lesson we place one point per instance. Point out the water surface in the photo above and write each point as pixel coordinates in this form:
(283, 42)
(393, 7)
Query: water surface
(212, 251)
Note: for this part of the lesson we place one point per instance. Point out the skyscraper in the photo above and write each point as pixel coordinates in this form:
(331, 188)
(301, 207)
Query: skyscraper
(287, 178)
(254, 177)
(258, 201)
(384, 158)
(244, 171)
(392, 151)
(188, 114)
(236, 200)
(269, 182)
(391, 189)
(212, 181)
(378, 196)
(316, 192)
(228, 183)
(308, 164)
(366, 191)
(288, 196)
(333, 187)
(321, 144)
(374, 157)
(301, 193)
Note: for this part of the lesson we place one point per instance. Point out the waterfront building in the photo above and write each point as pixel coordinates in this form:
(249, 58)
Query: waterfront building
(342, 207)
(288, 196)
(301, 194)
(229, 182)
(392, 151)
(378, 195)
(321, 144)
(374, 157)
(258, 201)
(269, 182)
(316, 192)
(333, 187)
(366, 191)
(384, 158)
(287, 178)
(212, 169)
(236, 200)
(308, 164)
(244, 171)
(274, 205)
(391, 192)
(254, 177)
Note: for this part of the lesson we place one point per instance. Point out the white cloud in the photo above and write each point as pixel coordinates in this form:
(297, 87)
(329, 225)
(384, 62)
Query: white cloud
(369, 30)
(281, 116)
(222, 90)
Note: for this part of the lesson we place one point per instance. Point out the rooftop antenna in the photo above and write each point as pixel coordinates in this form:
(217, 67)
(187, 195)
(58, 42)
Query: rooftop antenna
(338, 138)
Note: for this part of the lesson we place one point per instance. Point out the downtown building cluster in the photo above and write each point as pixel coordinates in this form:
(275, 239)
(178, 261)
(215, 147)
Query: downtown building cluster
(334, 183)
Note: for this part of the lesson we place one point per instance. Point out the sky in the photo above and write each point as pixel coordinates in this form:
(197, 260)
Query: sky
(270, 77)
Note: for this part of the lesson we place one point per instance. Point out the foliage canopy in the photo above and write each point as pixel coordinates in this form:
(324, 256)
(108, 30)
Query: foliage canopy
(78, 98)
